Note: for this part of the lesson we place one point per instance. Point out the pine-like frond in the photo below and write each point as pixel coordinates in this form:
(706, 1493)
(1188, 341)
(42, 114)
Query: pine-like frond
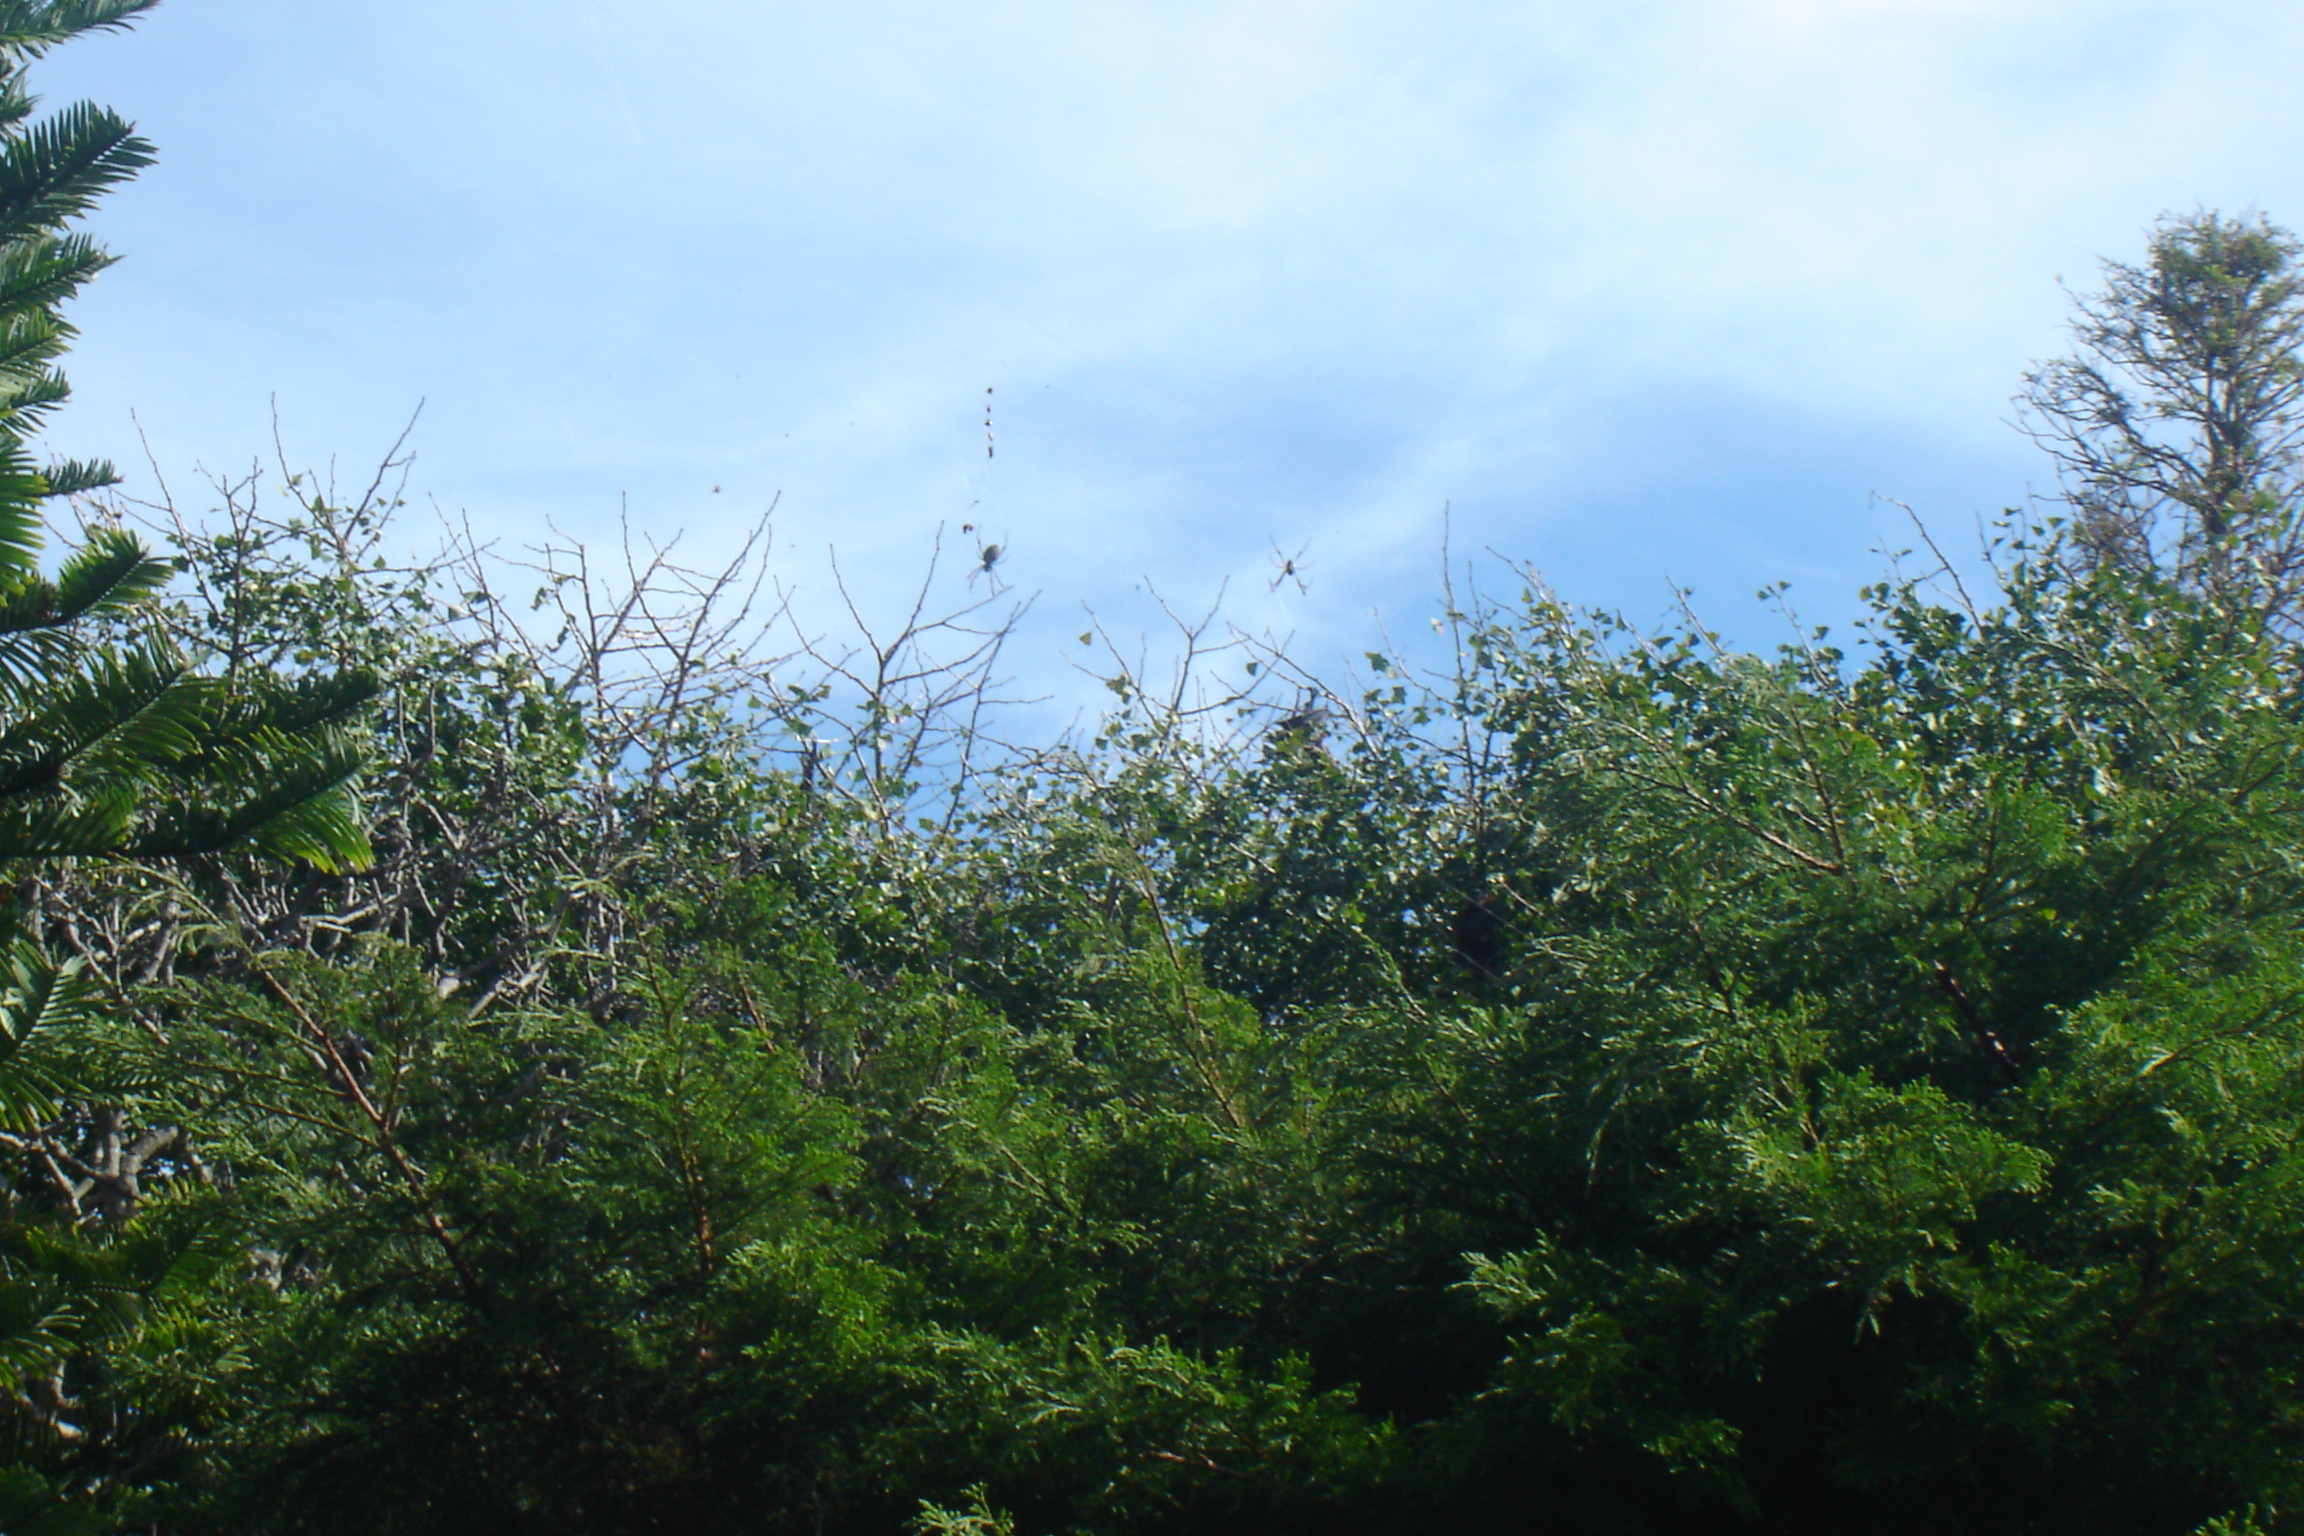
(316, 702)
(56, 169)
(16, 98)
(29, 652)
(40, 274)
(319, 820)
(38, 995)
(55, 827)
(37, 1322)
(27, 399)
(276, 768)
(107, 577)
(72, 477)
(119, 715)
(22, 533)
(63, 1288)
(128, 750)
(30, 339)
(27, 605)
(30, 343)
(29, 28)
(306, 808)
(130, 710)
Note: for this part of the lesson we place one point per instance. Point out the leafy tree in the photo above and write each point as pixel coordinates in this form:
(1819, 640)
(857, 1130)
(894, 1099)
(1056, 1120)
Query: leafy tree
(1621, 1083)
(1852, 999)
(1869, 1114)
(111, 744)
(2176, 426)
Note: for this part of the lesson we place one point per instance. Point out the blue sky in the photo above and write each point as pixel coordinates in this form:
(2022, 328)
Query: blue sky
(1646, 291)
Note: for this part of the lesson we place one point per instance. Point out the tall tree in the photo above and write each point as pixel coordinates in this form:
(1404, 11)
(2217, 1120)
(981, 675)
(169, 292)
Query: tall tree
(112, 743)
(2176, 426)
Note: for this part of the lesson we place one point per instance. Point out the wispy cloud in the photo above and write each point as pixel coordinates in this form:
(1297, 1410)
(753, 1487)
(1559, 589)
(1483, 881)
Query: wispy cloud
(1641, 290)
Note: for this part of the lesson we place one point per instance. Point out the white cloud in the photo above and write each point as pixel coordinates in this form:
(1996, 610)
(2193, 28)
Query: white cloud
(1640, 288)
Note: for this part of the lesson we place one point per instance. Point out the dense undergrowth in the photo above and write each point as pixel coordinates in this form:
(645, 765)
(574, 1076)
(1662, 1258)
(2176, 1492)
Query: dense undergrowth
(1628, 1085)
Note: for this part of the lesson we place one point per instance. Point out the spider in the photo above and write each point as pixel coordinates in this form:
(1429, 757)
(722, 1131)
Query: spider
(987, 556)
(1291, 568)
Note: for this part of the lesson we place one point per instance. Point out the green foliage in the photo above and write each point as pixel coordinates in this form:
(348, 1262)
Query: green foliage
(1619, 1084)
(2175, 428)
(978, 1519)
(1868, 1108)
(112, 746)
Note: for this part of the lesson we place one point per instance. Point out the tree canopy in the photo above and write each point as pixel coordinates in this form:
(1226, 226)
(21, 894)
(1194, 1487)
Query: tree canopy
(473, 1072)
(2176, 425)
